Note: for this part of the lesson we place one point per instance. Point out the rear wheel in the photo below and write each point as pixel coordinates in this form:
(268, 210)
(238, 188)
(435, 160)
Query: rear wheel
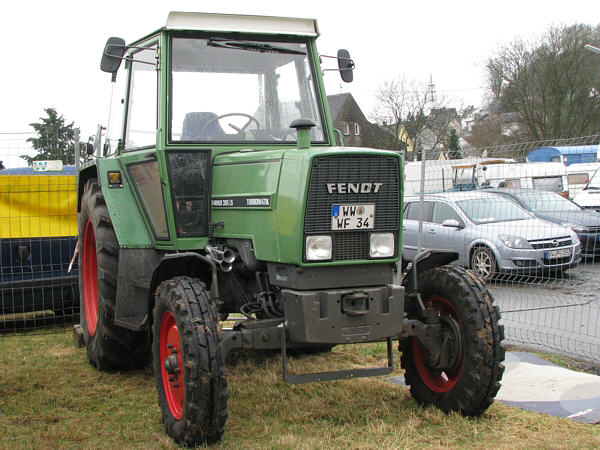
(108, 347)
(471, 379)
(189, 361)
(483, 263)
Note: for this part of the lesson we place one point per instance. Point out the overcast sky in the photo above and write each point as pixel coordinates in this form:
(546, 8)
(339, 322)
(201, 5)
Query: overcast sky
(51, 50)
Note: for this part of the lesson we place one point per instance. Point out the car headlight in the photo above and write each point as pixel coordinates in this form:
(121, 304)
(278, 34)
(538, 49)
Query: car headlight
(576, 227)
(514, 241)
(574, 238)
(382, 245)
(318, 248)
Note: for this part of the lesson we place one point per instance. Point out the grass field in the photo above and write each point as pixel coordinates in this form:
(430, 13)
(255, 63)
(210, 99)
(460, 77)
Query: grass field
(51, 397)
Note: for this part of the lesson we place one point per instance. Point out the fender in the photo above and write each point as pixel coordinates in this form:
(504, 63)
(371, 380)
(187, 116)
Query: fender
(424, 261)
(141, 271)
(479, 242)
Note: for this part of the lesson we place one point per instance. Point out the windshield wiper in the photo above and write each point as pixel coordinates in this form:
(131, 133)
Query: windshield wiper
(253, 46)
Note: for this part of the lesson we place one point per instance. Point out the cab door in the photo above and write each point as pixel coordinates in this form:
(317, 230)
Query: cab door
(139, 155)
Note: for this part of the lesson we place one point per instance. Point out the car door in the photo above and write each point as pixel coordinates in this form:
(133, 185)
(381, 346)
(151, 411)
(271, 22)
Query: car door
(438, 236)
(410, 227)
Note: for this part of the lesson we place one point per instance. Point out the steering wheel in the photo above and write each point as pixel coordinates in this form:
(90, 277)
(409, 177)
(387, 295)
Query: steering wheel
(239, 130)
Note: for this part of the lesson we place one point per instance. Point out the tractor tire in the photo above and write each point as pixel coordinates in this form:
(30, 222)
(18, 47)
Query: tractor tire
(189, 360)
(108, 346)
(471, 383)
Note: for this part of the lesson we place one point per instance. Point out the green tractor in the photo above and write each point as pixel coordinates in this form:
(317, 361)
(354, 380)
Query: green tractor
(222, 191)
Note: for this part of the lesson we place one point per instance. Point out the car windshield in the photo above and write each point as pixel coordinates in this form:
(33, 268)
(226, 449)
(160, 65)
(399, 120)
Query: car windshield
(546, 202)
(487, 210)
(226, 90)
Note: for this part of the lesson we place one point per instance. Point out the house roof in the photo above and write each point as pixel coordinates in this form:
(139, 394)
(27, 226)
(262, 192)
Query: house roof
(336, 104)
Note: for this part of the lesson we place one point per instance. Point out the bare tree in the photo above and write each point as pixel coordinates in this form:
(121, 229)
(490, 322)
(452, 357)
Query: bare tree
(549, 84)
(410, 106)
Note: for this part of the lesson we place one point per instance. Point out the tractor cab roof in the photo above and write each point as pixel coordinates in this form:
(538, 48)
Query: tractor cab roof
(241, 24)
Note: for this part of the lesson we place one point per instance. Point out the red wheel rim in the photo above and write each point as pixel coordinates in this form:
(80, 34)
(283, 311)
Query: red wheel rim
(90, 278)
(434, 379)
(171, 364)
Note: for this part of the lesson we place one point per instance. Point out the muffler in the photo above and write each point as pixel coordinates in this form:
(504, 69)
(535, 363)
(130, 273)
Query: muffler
(224, 258)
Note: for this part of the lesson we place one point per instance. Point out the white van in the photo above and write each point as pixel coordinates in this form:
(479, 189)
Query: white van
(589, 196)
(579, 175)
(546, 176)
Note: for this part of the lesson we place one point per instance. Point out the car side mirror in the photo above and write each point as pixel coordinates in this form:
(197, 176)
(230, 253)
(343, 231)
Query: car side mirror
(345, 65)
(452, 223)
(112, 55)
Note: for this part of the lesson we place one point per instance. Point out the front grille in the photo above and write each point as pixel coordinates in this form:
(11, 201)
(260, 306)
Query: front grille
(355, 169)
(552, 243)
(593, 229)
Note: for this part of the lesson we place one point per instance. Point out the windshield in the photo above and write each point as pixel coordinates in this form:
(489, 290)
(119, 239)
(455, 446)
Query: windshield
(225, 90)
(486, 210)
(546, 202)
(594, 181)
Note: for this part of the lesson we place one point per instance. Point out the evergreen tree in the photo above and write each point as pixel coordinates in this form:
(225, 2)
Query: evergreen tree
(54, 141)
(453, 145)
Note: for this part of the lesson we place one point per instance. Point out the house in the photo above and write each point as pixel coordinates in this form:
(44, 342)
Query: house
(356, 130)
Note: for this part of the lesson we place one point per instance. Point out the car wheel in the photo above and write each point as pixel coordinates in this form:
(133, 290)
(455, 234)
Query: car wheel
(483, 263)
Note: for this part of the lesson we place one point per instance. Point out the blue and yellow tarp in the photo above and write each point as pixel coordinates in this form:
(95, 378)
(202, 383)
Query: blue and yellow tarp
(38, 204)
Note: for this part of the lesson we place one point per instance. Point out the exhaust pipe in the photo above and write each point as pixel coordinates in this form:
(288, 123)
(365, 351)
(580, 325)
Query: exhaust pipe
(224, 258)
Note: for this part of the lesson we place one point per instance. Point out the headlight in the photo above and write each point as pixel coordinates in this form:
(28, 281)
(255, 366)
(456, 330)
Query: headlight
(318, 248)
(514, 241)
(574, 238)
(576, 227)
(382, 245)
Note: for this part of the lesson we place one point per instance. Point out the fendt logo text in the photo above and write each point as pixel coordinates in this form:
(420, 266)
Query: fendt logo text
(353, 188)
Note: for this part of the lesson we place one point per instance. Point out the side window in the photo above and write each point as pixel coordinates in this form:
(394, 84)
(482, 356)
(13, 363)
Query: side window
(141, 108)
(414, 211)
(187, 173)
(146, 178)
(115, 125)
(553, 184)
(443, 211)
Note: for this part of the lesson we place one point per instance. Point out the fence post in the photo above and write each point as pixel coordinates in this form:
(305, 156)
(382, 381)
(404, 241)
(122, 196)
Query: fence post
(421, 200)
(77, 149)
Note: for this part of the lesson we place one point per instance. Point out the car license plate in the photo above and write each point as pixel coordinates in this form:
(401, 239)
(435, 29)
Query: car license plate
(562, 253)
(353, 217)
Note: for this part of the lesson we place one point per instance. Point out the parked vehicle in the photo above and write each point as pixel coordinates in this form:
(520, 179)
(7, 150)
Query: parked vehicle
(557, 209)
(38, 234)
(566, 154)
(578, 176)
(589, 197)
(490, 233)
(226, 194)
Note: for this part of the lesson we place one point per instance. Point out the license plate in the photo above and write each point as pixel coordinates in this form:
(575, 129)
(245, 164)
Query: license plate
(353, 217)
(562, 253)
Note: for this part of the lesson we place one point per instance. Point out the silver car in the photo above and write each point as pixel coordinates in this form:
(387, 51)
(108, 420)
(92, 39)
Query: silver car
(490, 234)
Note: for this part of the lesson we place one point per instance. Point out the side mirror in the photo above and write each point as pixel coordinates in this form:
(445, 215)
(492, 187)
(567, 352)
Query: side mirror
(112, 55)
(452, 223)
(345, 65)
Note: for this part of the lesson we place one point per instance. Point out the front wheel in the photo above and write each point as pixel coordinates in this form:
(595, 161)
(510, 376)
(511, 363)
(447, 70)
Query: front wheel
(189, 361)
(471, 379)
(483, 263)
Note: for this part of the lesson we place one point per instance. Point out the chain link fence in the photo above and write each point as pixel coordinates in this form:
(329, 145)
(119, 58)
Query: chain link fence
(511, 213)
(39, 290)
(543, 273)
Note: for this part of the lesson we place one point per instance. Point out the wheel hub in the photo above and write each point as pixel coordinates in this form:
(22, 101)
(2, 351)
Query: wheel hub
(171, 358)
(171, 365)
(451, 343)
